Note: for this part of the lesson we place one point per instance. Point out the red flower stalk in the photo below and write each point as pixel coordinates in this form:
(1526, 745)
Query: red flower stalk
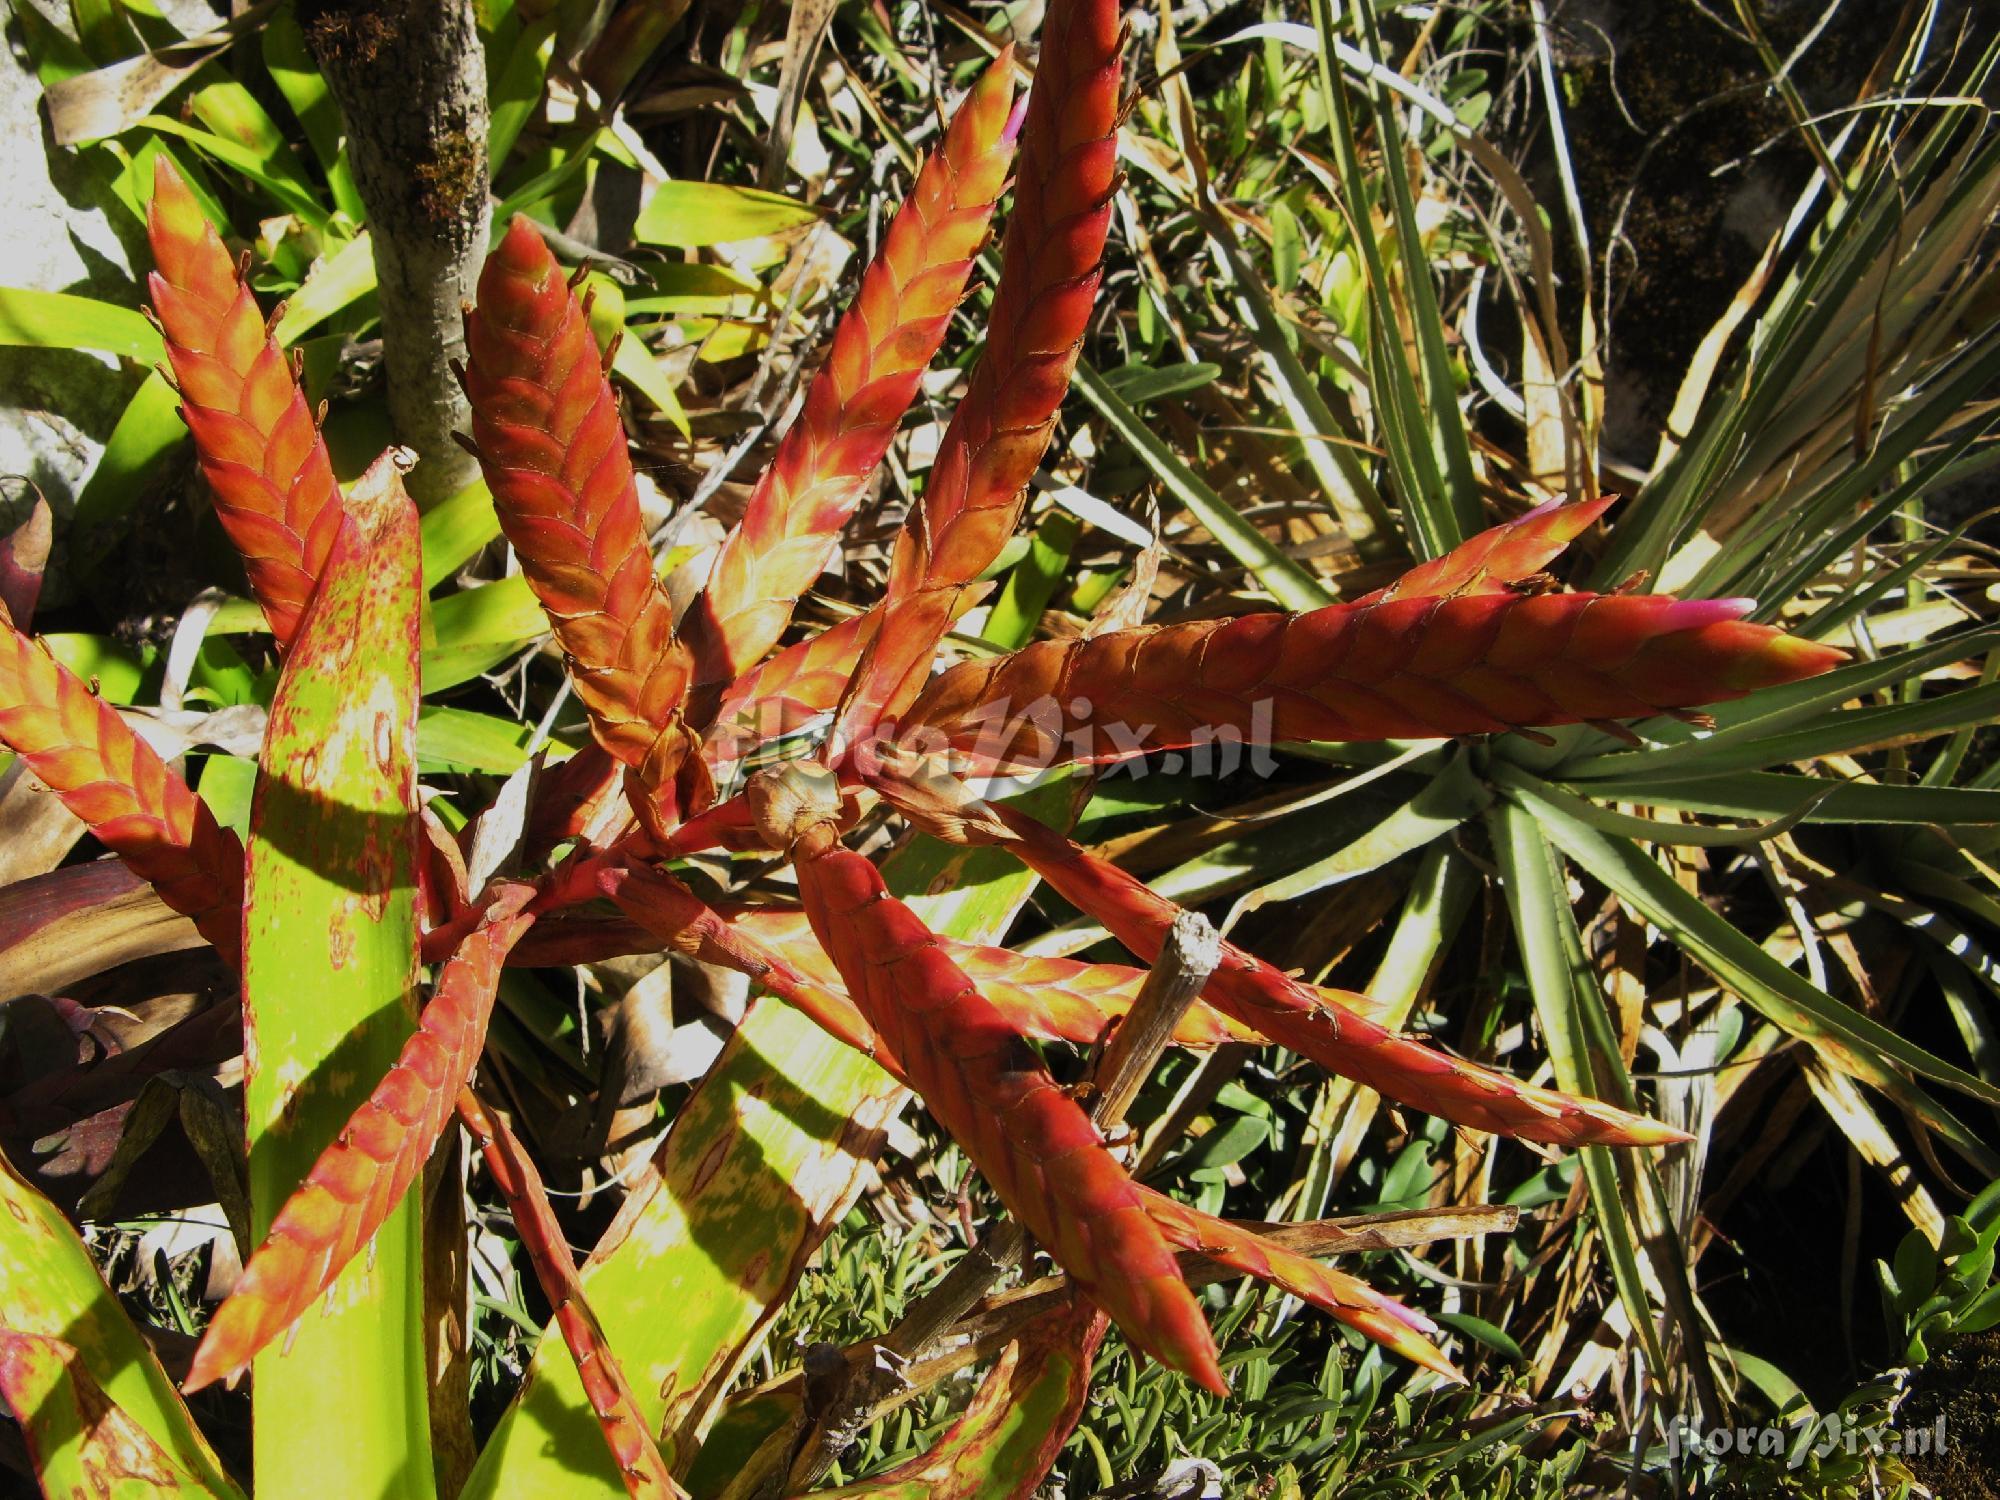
(257, 440)
(626, 1431)
(133, 802)
(884, 342)
(1342, 1297)
(984, 1084)
(1001, 430)
(1316, 1026)
(680, 919)
(1049, 999)
(549, 439)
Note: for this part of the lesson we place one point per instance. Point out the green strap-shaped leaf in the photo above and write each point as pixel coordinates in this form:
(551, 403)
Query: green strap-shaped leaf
(55, 1297)
(60, 320)
(1850, 1040)
(1769, 795)
(329, 972)
(476, 627)
(1560, 979)
(1836, 733)
(687, 214)
(1444, 802)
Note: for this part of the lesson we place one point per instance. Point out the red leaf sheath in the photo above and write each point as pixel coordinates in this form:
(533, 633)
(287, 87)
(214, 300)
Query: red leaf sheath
(547, 432)
(1413, 668)
(1343, 1297)
(259, 445)
(789, 690)
(1048, 284)
(359, 1179)
(881, 348)
(986, 1086)
(625, 1429)
(1312, 1024)
(575, 798)
(135, 804)
(1499, 556)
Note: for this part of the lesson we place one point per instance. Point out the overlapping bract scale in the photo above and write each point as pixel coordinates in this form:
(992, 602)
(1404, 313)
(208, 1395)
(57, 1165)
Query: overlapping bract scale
(134, 803)
(257, 439)
(883, 344)
(1401, 668)
(546, 428)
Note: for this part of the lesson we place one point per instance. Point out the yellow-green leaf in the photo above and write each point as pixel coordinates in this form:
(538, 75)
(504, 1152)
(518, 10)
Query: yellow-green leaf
(329, 974)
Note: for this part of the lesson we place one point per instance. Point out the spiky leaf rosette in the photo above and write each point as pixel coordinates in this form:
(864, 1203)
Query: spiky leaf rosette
(1402, 668)
(547, 432)
(884, 342)
(133, 802)
(986, 1087)
(361, 1177)
(1048, 284)
(259, 445)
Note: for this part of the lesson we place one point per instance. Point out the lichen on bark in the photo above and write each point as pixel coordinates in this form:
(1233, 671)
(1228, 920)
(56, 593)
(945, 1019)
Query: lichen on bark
(410, 77)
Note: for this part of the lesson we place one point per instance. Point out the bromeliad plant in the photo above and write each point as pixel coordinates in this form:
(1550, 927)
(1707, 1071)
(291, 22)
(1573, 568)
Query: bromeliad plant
(348, 884)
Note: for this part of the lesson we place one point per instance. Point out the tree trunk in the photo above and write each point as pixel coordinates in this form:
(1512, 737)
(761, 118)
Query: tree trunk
(410, 78)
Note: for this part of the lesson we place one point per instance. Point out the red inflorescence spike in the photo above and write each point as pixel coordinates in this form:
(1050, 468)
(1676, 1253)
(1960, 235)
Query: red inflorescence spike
(986, 1086)
(1048, 285)
(550, 441)
(1402, 668)
(885, 341)
(359, 1179)
(259, 445)
(131, 799)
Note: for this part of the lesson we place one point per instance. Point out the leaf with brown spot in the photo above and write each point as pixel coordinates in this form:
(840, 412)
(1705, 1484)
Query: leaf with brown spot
(329, 979)
(79, 1441)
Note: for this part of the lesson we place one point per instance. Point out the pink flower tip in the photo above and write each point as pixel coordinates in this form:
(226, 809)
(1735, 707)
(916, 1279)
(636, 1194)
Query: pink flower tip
(1012, 132)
